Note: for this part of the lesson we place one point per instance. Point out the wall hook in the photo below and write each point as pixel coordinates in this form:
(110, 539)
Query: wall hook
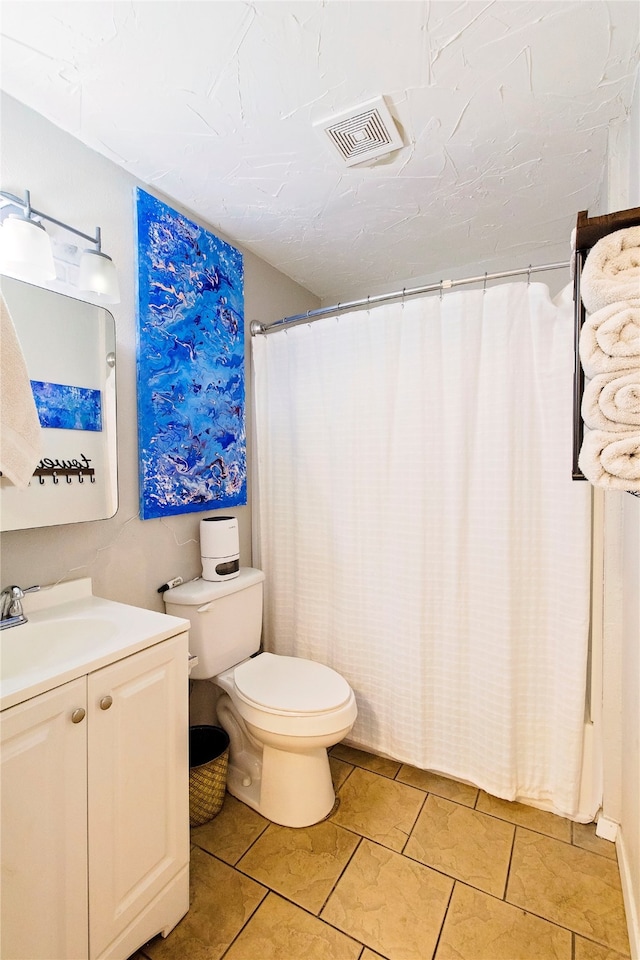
(80, 478)
(55, 477)
(69, 479)
(93, 479)
(41, 479)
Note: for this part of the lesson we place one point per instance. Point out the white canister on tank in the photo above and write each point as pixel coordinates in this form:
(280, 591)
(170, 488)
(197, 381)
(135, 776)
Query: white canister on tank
(219, 548)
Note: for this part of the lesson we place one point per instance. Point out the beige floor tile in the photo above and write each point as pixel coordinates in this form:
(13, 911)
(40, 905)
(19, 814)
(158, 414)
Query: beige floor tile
(303, 864)
(378, 808)
(232, 832)
(441, 786)
(584, 835)
(359, 758)
(339, 771)
(588, 950)
(222, 900)
(480, 927)
(572, 887)
(390, 903)
(539, 820)
(281, 931)
(370, 955)
(463, 843)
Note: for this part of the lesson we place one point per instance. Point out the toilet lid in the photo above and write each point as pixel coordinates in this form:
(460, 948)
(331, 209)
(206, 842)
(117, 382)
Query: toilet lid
(291, 684)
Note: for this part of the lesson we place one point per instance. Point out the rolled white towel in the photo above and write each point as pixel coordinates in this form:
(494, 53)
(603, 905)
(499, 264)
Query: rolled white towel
(597, 360)
(612, 270)
(611, 401)
(611, 459)
(618, 328)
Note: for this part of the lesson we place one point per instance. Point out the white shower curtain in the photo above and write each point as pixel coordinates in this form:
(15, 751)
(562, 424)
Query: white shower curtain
(421, 534)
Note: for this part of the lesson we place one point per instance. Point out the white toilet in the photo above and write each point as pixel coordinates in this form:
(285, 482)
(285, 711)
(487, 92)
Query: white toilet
(281, 713)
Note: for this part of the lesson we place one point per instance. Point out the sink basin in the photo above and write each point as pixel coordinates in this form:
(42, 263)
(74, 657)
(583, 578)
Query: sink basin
(69, 634)
(36, 646)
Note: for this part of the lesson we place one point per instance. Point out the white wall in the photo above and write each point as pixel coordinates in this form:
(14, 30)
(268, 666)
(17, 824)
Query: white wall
(621, 677)
(127, 558)
(630, 719)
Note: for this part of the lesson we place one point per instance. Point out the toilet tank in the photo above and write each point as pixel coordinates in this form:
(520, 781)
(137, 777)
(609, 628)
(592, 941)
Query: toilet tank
(226, 619)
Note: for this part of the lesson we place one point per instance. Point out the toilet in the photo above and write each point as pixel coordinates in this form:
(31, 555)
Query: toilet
(281, 713)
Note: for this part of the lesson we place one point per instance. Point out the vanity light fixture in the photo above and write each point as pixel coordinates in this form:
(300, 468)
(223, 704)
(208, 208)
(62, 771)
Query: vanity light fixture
(26, 249)
(25, 252)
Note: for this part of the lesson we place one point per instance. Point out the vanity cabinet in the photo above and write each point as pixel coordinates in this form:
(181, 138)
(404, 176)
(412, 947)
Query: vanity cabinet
(95, 819)
(43, 809)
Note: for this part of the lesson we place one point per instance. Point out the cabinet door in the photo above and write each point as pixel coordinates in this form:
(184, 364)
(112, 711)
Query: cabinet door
(138, 784)
(44, 826)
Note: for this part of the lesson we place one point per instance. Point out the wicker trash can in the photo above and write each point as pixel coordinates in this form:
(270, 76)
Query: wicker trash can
(208, 760)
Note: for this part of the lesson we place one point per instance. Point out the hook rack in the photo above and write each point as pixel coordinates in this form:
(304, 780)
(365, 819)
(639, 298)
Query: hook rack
(68, 472)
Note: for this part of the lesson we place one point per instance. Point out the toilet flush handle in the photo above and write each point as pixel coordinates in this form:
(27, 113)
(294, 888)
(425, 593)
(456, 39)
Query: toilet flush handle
(205, 607)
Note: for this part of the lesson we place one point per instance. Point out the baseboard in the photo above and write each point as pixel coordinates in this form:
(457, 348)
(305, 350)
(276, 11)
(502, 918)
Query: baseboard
(607, 829)
(631, 896)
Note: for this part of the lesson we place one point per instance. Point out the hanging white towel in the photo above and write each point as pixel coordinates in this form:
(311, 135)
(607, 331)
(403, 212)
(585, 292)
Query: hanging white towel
(20, 431)
(611, 459)
(611, 401)
(612, 270)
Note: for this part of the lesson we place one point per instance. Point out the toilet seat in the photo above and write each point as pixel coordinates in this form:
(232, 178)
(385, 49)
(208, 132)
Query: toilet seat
(290, 686)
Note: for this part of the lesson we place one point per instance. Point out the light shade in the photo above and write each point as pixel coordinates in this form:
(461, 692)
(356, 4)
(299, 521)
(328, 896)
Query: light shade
(98, 276)
(25, 250)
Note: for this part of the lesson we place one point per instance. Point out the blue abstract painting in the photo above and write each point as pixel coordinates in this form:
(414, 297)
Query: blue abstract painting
(191, 387)
(67, 407)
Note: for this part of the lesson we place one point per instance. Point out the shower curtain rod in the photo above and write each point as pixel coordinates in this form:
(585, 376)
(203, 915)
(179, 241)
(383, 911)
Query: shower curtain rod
(257, 328)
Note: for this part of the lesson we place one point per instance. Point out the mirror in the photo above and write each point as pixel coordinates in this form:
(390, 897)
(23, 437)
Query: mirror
(69, 347)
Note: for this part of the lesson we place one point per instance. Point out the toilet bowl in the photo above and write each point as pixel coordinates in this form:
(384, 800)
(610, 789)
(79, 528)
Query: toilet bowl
(281, 713)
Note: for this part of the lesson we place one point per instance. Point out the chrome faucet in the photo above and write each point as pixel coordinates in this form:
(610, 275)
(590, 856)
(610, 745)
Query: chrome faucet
(11, 612)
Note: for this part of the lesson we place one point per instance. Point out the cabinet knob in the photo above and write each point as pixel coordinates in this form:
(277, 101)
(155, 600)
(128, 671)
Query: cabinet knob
(78, 715)
(106, 702)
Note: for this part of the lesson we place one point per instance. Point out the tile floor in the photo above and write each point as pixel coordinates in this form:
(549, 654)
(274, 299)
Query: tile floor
(410, 866)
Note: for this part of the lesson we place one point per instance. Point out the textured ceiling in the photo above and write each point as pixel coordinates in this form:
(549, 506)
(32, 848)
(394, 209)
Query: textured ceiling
(504, 108)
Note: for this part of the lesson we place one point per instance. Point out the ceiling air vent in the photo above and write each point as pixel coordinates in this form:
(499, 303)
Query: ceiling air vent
(363, 133)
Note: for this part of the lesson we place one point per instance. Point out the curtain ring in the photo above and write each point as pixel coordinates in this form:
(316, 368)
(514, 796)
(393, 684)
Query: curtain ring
(484, 285)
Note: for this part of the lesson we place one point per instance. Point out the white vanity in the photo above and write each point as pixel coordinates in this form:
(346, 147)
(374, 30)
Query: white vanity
(94, 778)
